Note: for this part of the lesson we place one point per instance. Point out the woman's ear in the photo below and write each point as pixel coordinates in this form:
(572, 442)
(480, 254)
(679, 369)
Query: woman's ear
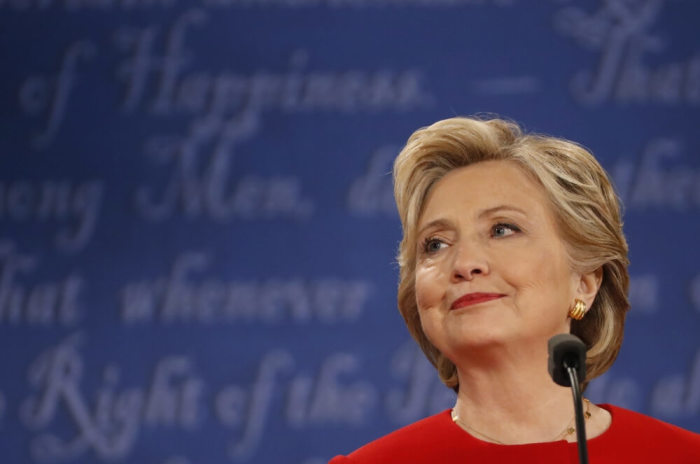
(589, 284)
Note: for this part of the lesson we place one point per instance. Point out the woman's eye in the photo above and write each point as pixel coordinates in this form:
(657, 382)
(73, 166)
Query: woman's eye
(432, 245)
(504, 230)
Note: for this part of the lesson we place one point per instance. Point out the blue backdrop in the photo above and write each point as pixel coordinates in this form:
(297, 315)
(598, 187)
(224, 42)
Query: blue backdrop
(197, 232)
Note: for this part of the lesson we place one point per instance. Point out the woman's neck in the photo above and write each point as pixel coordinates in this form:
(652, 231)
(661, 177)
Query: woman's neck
(512, 400)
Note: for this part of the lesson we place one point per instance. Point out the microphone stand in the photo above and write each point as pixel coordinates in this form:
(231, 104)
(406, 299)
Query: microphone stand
(578, 412)
(567, 362)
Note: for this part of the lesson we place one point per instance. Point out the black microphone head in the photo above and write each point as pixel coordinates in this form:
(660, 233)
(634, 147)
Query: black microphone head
(566, 350)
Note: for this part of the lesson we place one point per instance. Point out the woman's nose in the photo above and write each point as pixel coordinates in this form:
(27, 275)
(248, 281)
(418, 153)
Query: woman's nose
(468, 262)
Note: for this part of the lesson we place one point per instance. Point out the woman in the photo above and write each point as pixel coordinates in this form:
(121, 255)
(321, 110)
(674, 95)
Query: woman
(508, 240)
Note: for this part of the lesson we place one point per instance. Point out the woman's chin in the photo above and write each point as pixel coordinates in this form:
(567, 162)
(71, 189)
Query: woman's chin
(471, 341)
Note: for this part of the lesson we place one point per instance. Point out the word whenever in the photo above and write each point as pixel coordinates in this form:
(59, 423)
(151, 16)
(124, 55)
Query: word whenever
(40, 304)
(109, 424)
(650, 184)
(200, 185)
(54, 201)
(226, 94)
(177, 299)
(620, 30)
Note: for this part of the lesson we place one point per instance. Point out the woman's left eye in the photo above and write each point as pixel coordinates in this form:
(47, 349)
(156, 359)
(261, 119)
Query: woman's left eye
(504, 230)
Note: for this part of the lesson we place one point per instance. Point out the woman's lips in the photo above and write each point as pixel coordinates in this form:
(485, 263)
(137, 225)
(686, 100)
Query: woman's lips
(474, 298)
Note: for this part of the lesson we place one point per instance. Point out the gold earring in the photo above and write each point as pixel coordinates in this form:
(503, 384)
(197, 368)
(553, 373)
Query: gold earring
(578, 311)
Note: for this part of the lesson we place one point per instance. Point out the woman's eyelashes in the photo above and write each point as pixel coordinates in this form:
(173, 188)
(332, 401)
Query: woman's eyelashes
(504, 229)
(432, 245)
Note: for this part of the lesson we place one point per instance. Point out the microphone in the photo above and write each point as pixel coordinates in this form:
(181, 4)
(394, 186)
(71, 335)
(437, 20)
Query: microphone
(567, 364)
(566, 350)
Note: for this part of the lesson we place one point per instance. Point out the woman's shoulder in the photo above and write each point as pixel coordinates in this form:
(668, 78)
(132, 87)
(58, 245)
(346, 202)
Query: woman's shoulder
(640, 423)
(406, 444)
(631, 430)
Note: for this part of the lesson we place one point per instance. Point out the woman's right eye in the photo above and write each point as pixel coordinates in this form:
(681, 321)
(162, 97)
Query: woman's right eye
(433, 245)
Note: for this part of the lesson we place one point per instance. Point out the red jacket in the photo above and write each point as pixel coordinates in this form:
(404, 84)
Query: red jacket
(631, 438)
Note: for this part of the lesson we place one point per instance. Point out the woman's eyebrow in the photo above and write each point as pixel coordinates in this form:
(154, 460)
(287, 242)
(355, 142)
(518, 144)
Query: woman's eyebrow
(446, 223)
(500, 208)
(437, 223)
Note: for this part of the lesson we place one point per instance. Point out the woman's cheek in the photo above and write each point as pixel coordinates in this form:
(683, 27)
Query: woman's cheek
(429, 290)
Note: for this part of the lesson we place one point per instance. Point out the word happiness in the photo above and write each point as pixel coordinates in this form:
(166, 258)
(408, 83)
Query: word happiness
(159, 76)
(165, 85)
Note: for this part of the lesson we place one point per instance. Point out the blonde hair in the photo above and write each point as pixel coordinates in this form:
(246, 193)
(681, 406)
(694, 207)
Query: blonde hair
(583, 201)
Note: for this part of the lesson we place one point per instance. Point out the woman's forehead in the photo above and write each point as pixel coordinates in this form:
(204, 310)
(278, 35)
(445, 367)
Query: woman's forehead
(483, 189)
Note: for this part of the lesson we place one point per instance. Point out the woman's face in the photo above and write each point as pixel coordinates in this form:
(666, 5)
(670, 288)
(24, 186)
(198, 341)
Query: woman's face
(491, 268)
